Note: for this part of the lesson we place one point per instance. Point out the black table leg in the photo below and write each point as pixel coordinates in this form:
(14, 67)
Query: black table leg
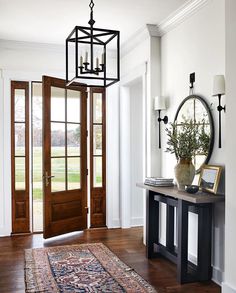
(182, 258)
(204, 269)
(170, 221)
(152, 224)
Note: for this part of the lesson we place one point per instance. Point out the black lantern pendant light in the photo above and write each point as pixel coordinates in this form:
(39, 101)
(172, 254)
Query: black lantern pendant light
(87, 50)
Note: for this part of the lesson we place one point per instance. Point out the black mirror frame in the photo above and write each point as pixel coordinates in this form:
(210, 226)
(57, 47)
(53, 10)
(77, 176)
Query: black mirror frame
(211, 122)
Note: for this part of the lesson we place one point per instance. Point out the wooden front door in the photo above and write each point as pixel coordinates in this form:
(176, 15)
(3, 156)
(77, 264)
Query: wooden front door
(64, 157)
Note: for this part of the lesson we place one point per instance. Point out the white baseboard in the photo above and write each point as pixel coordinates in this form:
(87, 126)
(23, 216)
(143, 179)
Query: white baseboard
(192, 258)
(217, 275)
(226, 288)
(135, 222)
(4, 231)
(115, 224)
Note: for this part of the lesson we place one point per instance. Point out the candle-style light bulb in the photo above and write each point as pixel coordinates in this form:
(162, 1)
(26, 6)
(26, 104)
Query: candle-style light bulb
(81, 61)
(103, 58)
(97, 62)
(86, 57)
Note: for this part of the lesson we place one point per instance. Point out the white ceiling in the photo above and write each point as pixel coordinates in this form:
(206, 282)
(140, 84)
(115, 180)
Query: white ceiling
(50, 21)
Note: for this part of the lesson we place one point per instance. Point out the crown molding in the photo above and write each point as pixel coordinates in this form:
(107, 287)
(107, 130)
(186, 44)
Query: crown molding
(140, 36)
(153, 30)
(180, 15)
(45, 47)
(22, 45)
(168, 24)
(149, 30)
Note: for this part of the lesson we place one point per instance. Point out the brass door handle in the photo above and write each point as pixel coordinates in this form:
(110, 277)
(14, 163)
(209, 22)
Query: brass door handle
(47, 178)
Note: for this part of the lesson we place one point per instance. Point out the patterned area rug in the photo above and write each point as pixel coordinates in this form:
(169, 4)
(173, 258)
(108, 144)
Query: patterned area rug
(80, 268)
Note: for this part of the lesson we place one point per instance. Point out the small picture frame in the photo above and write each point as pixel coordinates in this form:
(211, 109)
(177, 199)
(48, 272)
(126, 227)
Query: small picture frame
(209, 178)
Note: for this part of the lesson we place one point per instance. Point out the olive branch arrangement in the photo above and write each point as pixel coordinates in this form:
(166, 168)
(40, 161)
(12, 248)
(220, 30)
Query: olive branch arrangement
(187, 139)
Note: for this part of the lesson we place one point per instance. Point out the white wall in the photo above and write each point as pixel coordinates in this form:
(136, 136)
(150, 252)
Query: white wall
(140, 60)
(146, 51)
(136, 151)
(197, 45)
(230, 229)
(113, 159)
(29, 61)
(1, 156)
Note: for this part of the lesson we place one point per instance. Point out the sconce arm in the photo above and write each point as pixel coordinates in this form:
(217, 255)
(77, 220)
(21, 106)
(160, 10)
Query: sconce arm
(165, 119)
(220, 108)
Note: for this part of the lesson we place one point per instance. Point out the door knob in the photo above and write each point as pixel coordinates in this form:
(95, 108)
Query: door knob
(47, 178)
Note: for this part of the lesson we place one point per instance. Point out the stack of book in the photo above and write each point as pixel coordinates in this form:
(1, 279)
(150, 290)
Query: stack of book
(159, 181)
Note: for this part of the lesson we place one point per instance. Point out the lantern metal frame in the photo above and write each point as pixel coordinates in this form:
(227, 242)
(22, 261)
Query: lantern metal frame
(87, 71)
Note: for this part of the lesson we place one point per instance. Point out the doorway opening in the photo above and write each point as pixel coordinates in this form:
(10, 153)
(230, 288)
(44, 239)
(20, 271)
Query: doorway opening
(137, 150)
(37, 156)
(48, 142)
(132, 150)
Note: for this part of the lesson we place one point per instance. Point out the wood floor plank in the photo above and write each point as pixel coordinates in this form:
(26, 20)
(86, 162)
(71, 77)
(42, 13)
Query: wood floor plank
(127, 244)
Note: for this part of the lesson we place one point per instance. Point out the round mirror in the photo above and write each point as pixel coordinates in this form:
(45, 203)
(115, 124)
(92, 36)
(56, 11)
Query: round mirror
(196, 109)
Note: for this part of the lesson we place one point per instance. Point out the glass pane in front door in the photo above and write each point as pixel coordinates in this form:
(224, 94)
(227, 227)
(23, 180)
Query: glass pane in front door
(65, 139)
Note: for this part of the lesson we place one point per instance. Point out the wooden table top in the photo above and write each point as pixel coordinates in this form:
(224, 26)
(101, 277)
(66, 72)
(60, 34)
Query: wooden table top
(197, 198)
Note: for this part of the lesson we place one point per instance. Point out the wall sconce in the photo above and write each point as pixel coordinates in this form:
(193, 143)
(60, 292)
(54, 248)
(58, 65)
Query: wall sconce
(159, 104)
(219, 90)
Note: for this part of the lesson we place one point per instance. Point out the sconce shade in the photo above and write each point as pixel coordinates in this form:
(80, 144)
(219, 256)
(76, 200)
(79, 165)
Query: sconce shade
(218, 85)
(159, 103)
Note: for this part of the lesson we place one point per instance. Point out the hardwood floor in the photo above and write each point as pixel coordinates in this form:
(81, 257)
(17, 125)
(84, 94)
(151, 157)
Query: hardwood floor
(126, 244)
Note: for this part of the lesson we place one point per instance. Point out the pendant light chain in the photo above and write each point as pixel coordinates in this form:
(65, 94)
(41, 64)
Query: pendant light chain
(91, 5)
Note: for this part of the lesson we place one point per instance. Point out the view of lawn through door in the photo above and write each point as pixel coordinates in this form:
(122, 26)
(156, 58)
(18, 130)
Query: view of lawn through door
(37, 168)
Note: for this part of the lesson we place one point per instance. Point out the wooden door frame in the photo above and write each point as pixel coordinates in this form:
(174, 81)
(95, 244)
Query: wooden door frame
(20, 224)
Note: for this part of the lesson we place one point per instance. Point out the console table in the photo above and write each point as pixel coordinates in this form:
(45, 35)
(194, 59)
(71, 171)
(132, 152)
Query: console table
(201, 204)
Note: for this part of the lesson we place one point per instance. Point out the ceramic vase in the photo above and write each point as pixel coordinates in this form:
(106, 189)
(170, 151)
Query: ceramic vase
(184, 173)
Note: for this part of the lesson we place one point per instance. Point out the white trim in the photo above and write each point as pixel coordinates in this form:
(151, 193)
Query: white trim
(112, 155)
(7, 223)
(125, 175)
(137, 221)
(115, 224)
(217, 275)
(23, 46)
(168, 24)
(192, 258)
(127, 80)
(13, 45)
(149, 30)
(226, 288)
(2, 209)
(140, 36)
(135, 73)
(180, 15)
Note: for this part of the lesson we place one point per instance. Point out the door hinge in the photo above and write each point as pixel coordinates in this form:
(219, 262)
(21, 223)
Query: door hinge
(87, 133)
(87, 210)
(87, 172)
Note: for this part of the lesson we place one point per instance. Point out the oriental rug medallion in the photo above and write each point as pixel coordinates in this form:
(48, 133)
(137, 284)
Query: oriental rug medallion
(80, 268)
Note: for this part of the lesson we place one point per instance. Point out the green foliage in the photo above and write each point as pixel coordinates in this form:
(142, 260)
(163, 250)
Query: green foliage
(187, 139)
